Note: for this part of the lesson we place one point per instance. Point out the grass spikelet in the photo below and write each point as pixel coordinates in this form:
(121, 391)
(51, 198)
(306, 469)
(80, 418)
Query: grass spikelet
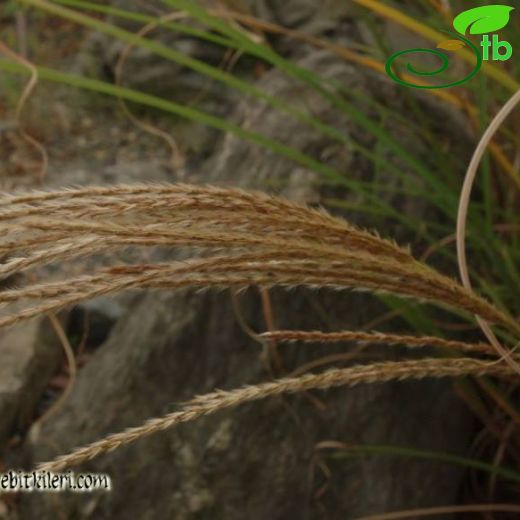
(221, 400)
(382, 338)
(245, 239)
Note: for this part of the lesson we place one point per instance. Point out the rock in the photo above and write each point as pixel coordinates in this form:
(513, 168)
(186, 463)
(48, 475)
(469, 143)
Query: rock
(144, 69)
(124, 172)
(260, 460)
(30, 355)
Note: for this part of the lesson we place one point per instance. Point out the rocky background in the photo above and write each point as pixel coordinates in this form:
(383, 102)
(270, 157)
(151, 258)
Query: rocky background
(148, 351)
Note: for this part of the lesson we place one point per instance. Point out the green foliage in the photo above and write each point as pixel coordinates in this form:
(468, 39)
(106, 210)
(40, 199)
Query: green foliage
(404, 452)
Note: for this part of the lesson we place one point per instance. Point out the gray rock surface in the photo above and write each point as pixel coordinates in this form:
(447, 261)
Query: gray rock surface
(261, 460)
(145, 69)
(29, 355)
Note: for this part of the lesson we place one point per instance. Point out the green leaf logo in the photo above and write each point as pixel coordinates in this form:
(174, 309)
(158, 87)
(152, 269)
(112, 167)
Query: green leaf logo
(482, 20)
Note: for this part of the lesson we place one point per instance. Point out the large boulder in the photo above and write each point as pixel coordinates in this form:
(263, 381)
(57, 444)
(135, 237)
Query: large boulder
(262, 460)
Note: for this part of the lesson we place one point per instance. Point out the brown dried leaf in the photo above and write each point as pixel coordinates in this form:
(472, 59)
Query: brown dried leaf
(450, 45)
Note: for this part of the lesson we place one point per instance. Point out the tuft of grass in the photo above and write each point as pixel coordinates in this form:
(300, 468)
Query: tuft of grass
(259, 239)
(242, 239)
(253, 239)
(438, 184)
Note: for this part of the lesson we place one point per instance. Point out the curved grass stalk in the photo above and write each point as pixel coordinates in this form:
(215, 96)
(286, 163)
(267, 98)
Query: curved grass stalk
(464, 202)
(381, 338)
(258, 240)
(221, 400)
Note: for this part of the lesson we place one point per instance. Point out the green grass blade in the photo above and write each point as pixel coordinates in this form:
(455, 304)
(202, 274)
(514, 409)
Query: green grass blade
(401, 451)
(147, 19)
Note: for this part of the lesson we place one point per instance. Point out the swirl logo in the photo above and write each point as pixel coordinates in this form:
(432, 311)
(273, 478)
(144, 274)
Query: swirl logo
(481, 21)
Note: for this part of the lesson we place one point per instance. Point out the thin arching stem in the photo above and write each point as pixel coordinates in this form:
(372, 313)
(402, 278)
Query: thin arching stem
(465, 198)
